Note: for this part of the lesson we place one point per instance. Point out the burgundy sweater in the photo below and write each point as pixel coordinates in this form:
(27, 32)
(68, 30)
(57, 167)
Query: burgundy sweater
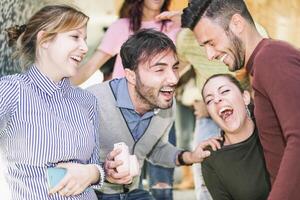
(275, 67)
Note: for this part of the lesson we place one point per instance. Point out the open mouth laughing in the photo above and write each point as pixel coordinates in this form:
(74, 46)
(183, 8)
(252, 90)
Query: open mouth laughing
(225, 112)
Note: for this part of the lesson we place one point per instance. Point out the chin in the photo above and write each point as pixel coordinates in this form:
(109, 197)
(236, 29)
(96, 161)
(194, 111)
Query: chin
(165, 105)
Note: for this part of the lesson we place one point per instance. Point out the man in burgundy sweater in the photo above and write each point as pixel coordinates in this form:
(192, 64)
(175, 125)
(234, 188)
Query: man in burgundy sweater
(226, 29)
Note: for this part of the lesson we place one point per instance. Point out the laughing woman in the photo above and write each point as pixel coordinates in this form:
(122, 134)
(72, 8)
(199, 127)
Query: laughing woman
(44, 121)
(237, 169)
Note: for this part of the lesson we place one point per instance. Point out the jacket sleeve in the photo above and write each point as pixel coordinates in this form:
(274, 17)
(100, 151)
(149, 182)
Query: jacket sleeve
(164, 153)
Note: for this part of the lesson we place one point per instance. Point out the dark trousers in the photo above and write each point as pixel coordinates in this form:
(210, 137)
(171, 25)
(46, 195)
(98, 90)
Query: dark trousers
(137, 194)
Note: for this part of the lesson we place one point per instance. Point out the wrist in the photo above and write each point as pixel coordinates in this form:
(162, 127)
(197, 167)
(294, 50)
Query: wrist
(100, 177)
(182, 158)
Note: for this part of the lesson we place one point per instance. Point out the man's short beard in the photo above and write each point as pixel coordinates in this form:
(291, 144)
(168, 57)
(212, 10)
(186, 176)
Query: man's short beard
(238, 51)
(140, 96)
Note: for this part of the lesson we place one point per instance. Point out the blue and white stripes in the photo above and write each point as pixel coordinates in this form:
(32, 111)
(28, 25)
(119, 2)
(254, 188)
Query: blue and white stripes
(42, 124)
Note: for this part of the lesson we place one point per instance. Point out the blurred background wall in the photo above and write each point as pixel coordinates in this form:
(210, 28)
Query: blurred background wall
(11, 12)
(279, 17)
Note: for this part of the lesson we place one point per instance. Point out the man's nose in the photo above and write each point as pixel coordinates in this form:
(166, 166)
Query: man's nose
(173, 77)
(211, 53)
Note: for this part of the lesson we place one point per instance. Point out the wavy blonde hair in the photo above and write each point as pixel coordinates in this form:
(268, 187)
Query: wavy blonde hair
(51, 19)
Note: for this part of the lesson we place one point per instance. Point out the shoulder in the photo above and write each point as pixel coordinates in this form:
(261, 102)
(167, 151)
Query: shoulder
(83, 97)
(12, 82)
(276, 47)
(10, 88)
(119, 24)
(186, 40)
(99, 90)
(185, 33)
(275, 55)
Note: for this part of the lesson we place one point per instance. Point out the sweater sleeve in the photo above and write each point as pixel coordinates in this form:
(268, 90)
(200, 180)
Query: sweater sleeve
(164, 153)
(280, 79)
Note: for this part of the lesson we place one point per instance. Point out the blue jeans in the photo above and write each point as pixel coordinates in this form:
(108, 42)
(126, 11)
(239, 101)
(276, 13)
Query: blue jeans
(205, 128)
(132, 195)
(159, 174)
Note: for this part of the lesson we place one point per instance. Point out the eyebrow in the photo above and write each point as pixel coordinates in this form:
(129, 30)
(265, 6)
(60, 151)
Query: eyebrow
(204, 43)
(163, 64)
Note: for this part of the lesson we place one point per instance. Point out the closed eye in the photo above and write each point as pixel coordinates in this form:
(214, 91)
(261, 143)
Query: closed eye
(208, 101)
(225, 91)
(75, 36)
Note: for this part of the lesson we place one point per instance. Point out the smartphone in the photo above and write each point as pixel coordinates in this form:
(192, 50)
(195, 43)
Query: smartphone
(55, 175)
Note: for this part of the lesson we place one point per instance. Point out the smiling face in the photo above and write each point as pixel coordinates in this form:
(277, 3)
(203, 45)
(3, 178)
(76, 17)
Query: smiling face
(226, 104)
(220, 44)
(156, 80)
(60, 56)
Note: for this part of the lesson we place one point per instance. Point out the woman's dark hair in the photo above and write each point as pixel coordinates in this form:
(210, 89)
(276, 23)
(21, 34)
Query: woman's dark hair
(230, 77)
(133, 9)
(233, 80)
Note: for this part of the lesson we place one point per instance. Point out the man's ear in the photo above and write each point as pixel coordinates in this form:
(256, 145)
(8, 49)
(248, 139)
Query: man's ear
(237, 24)
(246, 97)
(130, 76)
(39, 38)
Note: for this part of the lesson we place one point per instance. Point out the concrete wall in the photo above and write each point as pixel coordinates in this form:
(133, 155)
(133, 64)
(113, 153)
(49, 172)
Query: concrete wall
(13, 12)
(17, 12)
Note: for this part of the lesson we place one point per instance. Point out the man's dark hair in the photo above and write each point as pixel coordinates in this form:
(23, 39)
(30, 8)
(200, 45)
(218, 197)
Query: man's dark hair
(143, 46)
(220, 10)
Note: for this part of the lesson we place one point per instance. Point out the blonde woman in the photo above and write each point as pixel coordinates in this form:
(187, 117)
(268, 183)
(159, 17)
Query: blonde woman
(44, 121)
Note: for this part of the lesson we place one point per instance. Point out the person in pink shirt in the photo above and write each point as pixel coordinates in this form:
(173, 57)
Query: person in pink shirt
(134, 15)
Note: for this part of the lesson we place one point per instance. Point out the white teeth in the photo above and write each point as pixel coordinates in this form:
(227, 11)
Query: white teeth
(223, 58)
(77, 58)
(167, 90)
(223, 109)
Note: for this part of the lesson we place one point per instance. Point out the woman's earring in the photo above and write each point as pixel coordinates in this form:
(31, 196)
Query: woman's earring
(248, 112)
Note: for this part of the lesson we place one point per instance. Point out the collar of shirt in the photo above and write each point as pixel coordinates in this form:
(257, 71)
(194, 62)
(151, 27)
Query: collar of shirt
(123, 99)
(45, 84)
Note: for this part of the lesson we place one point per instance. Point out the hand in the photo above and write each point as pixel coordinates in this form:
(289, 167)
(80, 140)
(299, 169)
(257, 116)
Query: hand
(199, 154)
(77, 179)
(174, 16)
(200, 109)
(110, 167)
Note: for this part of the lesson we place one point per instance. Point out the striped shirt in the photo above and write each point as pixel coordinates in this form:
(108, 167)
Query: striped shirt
(41, 124)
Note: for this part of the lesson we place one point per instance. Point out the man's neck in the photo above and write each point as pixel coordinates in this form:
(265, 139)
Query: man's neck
(253, 38)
